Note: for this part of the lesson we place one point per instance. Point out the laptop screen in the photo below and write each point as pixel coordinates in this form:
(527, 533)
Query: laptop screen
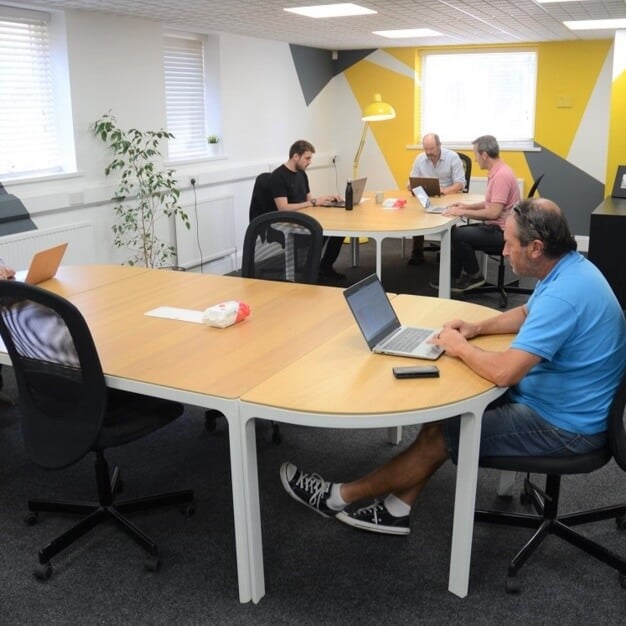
(372, 309)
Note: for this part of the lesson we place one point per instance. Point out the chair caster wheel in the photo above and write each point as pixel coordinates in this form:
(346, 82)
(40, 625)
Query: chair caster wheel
(43, 571)
(31, 518)
(620, 522)
(512, 585)
(210, 419)
(152, 564)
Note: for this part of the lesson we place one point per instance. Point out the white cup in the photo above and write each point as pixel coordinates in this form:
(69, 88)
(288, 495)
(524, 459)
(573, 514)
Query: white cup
(380, 196)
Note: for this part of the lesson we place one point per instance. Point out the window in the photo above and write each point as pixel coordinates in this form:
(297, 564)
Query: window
(465, 95)
(185, 97)
(30, 122)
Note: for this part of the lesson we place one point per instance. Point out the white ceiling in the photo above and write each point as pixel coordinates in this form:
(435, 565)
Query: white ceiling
(461, 21)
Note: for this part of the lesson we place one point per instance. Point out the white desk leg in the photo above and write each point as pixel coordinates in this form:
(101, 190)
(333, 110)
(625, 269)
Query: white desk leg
(505, 485)
(239, 507)
(464, 504)
(445, 255)
(251, 489)
(394, 435)
(379, 258)
(354, 248)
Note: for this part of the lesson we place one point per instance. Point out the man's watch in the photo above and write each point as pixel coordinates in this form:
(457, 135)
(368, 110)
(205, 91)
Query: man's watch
(313, 201)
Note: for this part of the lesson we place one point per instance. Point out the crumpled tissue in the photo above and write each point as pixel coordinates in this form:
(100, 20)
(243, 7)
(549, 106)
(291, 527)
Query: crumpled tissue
(226, 313)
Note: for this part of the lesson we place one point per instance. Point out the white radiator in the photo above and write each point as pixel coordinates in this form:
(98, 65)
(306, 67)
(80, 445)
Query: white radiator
(17, 250)
(212, 232)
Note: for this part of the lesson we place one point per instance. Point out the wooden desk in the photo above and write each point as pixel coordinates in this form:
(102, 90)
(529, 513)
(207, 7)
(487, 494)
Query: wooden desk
(372, 220)
(341, 384)
(194, 363)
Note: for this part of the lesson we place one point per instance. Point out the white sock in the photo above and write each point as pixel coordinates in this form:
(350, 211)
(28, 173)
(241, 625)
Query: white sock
(397, 507)
(335, 501)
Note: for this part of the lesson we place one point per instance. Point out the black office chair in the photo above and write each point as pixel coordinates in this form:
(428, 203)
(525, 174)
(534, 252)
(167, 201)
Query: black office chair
(546, 502)
(279, 245)
(495, 252)
(467, 168)
(67, 411)
(263, 258)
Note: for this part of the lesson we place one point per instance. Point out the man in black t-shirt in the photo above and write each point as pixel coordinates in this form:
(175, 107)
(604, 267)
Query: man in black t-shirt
(291, 192)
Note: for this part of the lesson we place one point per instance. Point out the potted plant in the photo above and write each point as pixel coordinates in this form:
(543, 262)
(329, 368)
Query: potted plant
(213, 141)
(146, 192)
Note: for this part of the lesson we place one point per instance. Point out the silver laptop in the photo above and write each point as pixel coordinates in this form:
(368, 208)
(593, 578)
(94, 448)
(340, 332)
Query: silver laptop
(358, 187)
(429, 183)
(381, 327)
(422, 196)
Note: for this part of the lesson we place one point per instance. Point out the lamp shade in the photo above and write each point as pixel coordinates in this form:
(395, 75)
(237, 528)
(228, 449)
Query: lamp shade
(378, 111)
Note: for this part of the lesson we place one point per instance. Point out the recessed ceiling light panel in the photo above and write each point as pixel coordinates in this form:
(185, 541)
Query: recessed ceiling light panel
(344, 9)
(407, 33)
(596, 24)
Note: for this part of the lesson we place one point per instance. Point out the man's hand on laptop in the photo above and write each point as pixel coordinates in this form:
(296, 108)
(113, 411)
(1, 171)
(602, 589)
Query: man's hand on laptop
(457, 209)
(325, 199)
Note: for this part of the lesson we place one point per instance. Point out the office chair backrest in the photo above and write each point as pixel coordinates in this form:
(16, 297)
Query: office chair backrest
(535, 185)
(262, 200)
(617, 425)
(467, 168)
(283, 245)
(62, 392)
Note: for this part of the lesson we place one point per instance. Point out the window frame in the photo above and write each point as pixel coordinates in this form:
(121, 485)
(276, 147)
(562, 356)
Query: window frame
(429, 96)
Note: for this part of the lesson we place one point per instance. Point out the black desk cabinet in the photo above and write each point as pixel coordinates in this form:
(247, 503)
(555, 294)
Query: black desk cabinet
(607, 244)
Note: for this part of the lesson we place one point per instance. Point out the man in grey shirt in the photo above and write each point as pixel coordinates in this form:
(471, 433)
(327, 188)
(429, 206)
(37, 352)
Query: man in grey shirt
(441, 163)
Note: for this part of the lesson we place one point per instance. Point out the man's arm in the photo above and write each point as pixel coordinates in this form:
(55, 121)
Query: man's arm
(477, 211)
(502, 368)
(283, 205)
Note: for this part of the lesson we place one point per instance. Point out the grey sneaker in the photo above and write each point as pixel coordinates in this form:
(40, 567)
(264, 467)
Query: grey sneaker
(466, 282)
(377, 519)
(309, 489)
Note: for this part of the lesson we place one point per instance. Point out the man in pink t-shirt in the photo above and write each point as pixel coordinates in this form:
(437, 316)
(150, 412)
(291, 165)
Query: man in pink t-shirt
(501, 195)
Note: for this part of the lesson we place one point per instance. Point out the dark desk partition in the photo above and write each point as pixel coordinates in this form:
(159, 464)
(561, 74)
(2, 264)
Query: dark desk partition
(607, 243)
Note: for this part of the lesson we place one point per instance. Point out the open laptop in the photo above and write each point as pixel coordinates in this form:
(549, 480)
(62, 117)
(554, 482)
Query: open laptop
(430, 184)
(381, 327)
(358, 187)
(422, 196)
(45, 264)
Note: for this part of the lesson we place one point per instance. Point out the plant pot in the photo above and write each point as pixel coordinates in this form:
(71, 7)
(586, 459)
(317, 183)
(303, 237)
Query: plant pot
(213, 149)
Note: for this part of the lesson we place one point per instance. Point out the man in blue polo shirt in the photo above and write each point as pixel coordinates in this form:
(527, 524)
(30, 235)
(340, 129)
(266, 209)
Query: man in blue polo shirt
(562, 370)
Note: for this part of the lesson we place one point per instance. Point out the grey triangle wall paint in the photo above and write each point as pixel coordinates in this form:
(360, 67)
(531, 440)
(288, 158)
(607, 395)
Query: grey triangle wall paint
(315, 67)
(575, 191)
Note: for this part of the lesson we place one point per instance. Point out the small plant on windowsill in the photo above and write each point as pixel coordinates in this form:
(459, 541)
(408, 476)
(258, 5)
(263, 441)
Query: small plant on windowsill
(146, 193)
(213, 147)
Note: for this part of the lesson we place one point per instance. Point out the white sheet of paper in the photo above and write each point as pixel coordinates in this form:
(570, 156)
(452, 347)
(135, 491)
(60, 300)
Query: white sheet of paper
(173, 313)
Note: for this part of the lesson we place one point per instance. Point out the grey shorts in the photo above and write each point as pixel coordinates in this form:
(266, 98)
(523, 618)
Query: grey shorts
(511, 429)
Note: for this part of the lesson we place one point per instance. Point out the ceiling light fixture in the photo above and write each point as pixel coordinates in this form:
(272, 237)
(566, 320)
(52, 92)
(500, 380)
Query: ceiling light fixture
(612, 24)
(344, 9)
(407, 33)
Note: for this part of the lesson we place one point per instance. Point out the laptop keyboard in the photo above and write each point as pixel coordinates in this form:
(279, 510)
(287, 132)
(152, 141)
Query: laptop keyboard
(407, 339)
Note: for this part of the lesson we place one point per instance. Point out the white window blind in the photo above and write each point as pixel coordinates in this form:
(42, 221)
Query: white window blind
(465, 95)
(185, 97)
(28, 126)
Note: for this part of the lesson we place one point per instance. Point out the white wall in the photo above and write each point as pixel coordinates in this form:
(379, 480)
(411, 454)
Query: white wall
(115, 63)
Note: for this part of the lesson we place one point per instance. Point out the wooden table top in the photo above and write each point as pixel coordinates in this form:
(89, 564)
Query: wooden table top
(369, 217)
(286, 321)
(342, 376)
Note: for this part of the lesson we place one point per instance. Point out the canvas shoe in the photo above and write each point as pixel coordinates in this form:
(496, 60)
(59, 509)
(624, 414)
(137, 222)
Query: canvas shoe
(377, 519)
(309, 489)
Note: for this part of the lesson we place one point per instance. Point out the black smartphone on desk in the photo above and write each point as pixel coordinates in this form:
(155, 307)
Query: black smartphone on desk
(419, 371)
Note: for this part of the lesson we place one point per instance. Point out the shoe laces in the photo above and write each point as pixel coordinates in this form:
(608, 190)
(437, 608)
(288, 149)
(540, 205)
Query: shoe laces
(314, 485)
(371, 509)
